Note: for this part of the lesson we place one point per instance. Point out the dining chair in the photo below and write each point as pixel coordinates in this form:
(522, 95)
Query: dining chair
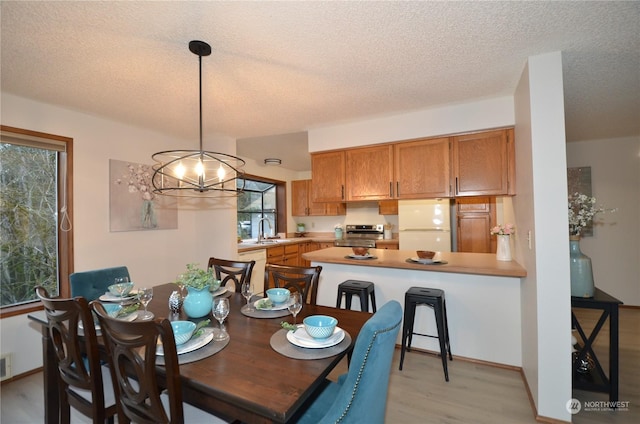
(93, 284)
(83, 382)
(360, 395)
(131, 348)
(228, 270)
(300, 278)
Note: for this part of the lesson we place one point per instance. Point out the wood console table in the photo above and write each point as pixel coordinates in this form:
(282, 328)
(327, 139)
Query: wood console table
(597, 380)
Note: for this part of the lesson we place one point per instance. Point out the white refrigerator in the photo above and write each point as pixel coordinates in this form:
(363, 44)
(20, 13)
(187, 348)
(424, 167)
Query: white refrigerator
(424, 225)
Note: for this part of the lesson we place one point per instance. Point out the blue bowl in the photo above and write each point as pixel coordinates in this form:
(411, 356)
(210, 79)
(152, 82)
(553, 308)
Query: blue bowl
(112, 309)
(182, 331)
(278, 295)
(126, 287)
(320, 326)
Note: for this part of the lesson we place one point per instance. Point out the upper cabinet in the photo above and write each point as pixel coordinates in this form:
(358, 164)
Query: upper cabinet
(303, 205)
(479, 164)
(484, 163)
(328, 172)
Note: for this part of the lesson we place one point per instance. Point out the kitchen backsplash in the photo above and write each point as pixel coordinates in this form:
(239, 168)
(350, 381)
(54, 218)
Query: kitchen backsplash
(360, 213)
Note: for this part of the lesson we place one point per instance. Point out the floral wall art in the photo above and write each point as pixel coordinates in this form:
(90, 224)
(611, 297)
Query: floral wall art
(579, 181)
(133, 206)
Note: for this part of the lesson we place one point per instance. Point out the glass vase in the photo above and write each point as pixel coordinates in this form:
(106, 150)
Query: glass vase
(581, 271)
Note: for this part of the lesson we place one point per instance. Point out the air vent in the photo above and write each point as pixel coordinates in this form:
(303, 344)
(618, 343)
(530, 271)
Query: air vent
(5, 366)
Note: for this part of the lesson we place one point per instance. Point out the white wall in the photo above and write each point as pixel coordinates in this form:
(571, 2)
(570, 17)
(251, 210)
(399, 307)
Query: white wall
(615, 181)
(153, 257)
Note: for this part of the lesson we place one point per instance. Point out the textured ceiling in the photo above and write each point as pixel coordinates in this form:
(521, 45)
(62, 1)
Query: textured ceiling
(286, 67)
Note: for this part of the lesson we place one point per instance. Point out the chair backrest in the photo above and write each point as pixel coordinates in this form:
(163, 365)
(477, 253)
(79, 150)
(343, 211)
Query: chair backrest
(362, 398)
(131, 348)
(93, 284)
(228, 270)
(77, 356)
(299, 278)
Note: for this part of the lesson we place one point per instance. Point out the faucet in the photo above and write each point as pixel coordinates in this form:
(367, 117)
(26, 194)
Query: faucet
(261, 233)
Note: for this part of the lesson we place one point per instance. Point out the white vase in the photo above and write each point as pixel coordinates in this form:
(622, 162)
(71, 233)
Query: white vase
(503, 253)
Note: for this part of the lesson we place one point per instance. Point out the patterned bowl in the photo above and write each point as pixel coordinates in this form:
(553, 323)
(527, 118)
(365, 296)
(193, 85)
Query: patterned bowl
(182, 331)
(278, 295)
(320, 326)
(114, 289)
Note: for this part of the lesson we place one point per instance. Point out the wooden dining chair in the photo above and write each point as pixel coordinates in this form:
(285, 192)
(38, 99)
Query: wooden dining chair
(93, 284)
(131, 348)
(360, 395)
(297, 278)
(83, 382)
(228, 270)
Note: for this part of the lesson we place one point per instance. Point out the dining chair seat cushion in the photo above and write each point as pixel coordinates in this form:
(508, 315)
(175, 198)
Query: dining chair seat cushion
(93, 284)
(109, 397)
(360, 395)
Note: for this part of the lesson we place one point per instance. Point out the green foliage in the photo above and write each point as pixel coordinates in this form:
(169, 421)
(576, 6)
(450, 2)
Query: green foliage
(196, 277)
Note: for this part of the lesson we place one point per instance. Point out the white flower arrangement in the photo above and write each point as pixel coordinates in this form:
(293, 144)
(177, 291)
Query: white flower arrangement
(337, 227)
(582, 209)
(138, 180)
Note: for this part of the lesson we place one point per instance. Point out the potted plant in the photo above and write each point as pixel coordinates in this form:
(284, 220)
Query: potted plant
(301, 227)
(199, 283)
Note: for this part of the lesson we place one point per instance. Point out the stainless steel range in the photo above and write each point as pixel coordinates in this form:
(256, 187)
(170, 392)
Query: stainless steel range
(361, 235)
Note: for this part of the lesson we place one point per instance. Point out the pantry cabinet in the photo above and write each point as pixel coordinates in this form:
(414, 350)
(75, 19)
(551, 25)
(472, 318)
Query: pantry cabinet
(484, 163)
(303, 205)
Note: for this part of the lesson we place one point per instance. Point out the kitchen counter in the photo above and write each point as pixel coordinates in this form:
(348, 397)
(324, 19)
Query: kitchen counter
(462, 263)
(247, 246)
(483, 297)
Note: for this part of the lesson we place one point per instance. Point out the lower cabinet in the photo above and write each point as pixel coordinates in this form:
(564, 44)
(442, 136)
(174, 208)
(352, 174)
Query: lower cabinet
(475, 216)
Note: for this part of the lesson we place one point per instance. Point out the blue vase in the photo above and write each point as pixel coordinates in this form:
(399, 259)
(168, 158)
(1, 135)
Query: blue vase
(581, 271)
(198, 303)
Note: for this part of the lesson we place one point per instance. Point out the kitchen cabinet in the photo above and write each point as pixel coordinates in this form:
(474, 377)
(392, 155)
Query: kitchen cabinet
(475, 216)
(484, 163)
(369, 173)
(328, 171)
(388, 244)
(388, 207)
(303, 205)
(421, 169)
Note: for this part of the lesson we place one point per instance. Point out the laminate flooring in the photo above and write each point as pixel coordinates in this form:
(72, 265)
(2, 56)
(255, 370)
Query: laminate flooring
(476, 393)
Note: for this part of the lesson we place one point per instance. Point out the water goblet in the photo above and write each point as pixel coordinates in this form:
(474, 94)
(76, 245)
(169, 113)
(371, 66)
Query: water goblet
(145, 295)
(294, 305)
(180, 284)
(247, 293)
(120, 288)
(220, 312)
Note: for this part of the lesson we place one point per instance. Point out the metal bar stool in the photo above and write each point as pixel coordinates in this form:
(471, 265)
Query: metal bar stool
(364, 289)
(433, 298)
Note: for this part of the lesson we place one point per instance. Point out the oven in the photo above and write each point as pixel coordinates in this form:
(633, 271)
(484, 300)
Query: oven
(361, 235)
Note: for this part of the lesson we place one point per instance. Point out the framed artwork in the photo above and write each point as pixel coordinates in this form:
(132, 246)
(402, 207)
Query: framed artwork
(132, 204)
(579, 181)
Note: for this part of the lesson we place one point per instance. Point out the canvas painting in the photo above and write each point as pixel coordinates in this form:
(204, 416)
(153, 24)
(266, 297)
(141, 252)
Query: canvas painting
(133, 205)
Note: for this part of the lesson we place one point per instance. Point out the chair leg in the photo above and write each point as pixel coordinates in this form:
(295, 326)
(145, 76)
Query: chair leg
(347, 300)
(373, 300)
(339, 299)
(364, 302)
(438, 309)
(446, 328)
(407, 328)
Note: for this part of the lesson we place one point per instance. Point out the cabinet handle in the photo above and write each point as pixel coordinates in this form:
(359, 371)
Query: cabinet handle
(390, 189)
(398, 188)
(342, 188)
(457, 190)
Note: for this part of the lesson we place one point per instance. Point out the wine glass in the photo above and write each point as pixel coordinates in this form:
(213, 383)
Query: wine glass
(247, 293)
(145, 295)
(294, 305)
(121, 287)
(180, 284)
(220, 311)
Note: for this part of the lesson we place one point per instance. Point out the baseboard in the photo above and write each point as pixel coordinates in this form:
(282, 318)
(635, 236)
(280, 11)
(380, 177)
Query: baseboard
(20, 376)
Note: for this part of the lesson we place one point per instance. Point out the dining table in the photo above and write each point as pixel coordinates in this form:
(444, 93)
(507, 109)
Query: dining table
(253, 377)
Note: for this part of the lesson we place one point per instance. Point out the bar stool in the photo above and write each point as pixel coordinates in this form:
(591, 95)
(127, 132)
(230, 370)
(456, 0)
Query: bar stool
(434, 298)
(364, 289)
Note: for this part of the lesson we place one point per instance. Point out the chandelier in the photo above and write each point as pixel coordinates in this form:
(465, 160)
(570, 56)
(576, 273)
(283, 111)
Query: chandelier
(197, 173)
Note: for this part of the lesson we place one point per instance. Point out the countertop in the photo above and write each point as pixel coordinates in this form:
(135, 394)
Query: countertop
(461, 263)
(247, 246)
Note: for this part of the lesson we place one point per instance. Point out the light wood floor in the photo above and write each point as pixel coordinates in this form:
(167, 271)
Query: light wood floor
(476, 393)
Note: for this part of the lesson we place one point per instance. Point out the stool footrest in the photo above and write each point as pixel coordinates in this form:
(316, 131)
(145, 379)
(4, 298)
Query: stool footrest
(425, 335)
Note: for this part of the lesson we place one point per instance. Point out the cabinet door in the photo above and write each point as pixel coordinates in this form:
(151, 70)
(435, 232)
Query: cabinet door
(369, 173)
(473, 234)
(481, 163)
(388, 207)
(328, 170)
(421, 169)
(300, 198)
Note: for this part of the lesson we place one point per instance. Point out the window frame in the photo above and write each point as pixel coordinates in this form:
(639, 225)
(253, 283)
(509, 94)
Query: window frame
(65, 238)
(281, 200)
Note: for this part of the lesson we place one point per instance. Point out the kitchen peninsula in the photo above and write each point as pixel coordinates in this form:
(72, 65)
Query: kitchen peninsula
(482, 295)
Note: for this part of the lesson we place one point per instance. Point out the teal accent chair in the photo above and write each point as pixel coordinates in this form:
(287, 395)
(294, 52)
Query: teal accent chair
(93, 284)
(360, 395)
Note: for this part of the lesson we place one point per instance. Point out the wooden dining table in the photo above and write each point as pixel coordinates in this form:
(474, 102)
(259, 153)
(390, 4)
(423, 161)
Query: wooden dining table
(247, 380)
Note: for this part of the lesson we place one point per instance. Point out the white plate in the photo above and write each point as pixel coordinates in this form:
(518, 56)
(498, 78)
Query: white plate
(131, 317)
(108, 297)
(221, 290)
(367, 256)
(302, 339)
(422, 261)
(276, 307)
(191, 345)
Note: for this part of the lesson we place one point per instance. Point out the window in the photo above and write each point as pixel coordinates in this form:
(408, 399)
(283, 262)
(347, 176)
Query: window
(35, 217)
(257, 202)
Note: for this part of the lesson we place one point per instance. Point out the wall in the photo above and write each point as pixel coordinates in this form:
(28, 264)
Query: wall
(614, 247)
(153, 257)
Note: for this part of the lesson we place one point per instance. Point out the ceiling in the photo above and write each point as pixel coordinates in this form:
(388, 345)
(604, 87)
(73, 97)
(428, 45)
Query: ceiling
(288, 67)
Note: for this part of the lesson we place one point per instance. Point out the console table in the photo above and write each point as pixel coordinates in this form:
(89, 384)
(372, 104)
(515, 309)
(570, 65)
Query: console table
(596, 380)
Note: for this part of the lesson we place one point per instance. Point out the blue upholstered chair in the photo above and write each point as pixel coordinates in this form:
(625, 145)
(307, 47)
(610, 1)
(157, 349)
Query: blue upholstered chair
(360, 396)
(93, 284)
